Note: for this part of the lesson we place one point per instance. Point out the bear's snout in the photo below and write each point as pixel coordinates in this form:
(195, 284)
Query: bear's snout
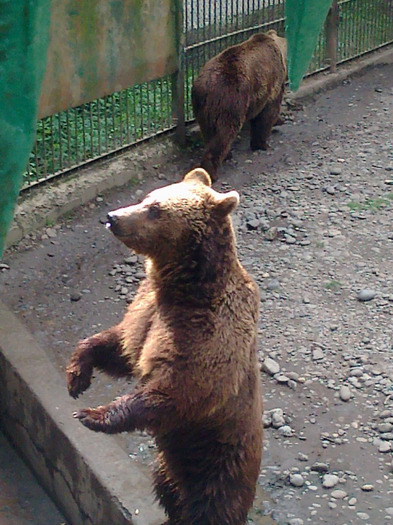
(113, 221)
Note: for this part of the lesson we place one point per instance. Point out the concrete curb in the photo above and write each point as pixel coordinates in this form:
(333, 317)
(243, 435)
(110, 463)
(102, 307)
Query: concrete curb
(84, 476)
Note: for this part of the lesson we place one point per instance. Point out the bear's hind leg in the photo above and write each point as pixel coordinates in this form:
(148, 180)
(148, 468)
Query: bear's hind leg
(261, 126)
(167, 494)
(217, 149)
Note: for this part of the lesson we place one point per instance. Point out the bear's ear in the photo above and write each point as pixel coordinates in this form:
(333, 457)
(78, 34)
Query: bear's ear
(200, 175)
(225, 203)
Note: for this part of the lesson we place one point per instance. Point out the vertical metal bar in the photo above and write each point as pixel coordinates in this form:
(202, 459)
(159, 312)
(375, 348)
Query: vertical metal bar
(113, 116)
(156, 111)
(75, 112)
(36, 160)
(52, 148)
(136, 131)
(178, 78)
(331, 30)
(149, 108)
(60, 131)
(121, 126)
(106, 123)
(68, 137)
(127, 117)
(98, 103)
(82, 112)
(141, 110)
(45, 166)
(92, 152)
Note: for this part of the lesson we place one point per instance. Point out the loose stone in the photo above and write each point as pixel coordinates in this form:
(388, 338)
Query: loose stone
(345, 393)
(329, 481)
(385, 446)
(338, 494)
(296, 480)
(286, 431)
(366, 295)
(270, 366)
(363, 515)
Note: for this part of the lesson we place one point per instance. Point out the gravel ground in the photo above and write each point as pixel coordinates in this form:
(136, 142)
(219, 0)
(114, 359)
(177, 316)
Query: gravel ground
(315, 229)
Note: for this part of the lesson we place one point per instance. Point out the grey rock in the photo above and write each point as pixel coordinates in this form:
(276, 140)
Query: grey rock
(296, 480)
(338, 494)
(270, 366)
(385, 446)
(363, 516)
(329, 481)
(286, 431)
(320, 467)
(366, 295)
(385, 427)
(272, 284)
(271, 233)
(345, 393)
(278, 419)
(317, 354)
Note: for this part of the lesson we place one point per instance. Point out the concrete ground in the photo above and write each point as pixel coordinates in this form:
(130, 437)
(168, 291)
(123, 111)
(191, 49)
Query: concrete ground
(22, 499)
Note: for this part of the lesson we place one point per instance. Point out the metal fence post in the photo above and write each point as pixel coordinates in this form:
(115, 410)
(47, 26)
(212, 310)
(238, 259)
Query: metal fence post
(178, 78)
(332, 32)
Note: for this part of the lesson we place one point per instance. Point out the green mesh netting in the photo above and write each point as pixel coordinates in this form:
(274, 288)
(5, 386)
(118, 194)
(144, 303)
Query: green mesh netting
(23, 47)
(304, 21)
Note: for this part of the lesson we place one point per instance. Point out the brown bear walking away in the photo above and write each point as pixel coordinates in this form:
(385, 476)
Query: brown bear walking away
(190, 339)
(243, 83)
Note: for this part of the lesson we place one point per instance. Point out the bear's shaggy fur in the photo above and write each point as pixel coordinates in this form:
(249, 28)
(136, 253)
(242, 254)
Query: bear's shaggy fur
(190, 339)
(243, 83)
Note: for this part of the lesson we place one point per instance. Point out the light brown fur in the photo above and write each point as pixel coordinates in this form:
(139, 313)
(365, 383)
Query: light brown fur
(190, 339)
(243, 83)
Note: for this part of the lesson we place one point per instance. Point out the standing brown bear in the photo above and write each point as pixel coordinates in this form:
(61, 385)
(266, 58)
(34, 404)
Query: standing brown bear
(190, 339)
(243, 83)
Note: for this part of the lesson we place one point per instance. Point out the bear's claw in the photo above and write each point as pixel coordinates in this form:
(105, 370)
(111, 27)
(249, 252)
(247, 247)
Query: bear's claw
(93, 418)
(77, 380)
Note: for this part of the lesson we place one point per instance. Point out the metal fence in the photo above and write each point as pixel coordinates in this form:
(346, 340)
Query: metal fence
(102, 127)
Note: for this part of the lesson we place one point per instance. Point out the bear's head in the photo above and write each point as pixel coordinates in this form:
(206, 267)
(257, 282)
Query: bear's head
(171, 220)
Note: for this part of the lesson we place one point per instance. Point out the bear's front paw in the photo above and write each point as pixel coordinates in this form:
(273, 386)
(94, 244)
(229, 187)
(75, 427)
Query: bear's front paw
(96, 419)
(78, 378)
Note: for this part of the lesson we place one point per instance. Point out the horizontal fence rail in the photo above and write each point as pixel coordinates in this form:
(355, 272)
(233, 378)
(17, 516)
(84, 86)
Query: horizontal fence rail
(76, 136)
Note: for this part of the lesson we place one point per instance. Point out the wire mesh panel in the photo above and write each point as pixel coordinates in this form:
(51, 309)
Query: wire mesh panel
(98, 128)
(101, 127)
(364, 25)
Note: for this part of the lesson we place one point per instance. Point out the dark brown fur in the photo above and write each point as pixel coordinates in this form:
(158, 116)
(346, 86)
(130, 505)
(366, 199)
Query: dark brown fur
(243, 83)
(190, 339)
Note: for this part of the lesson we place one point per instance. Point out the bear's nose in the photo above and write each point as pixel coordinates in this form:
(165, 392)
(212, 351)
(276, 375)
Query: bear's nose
(112, 219)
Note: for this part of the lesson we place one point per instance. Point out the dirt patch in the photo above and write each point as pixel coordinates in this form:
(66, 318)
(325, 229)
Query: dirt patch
(314, 228)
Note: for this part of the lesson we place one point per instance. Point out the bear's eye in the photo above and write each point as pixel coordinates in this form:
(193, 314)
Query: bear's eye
(154, 212)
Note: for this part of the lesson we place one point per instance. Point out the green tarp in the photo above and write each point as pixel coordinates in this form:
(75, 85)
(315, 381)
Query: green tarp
(304, 21)
(24, 26)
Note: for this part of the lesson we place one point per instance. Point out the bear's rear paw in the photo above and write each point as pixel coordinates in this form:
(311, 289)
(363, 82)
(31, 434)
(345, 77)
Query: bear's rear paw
(78, 378)
(259, 146)
(94, 418)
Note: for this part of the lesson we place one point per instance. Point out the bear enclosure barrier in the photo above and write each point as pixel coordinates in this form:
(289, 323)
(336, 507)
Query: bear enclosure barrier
(121, 73)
